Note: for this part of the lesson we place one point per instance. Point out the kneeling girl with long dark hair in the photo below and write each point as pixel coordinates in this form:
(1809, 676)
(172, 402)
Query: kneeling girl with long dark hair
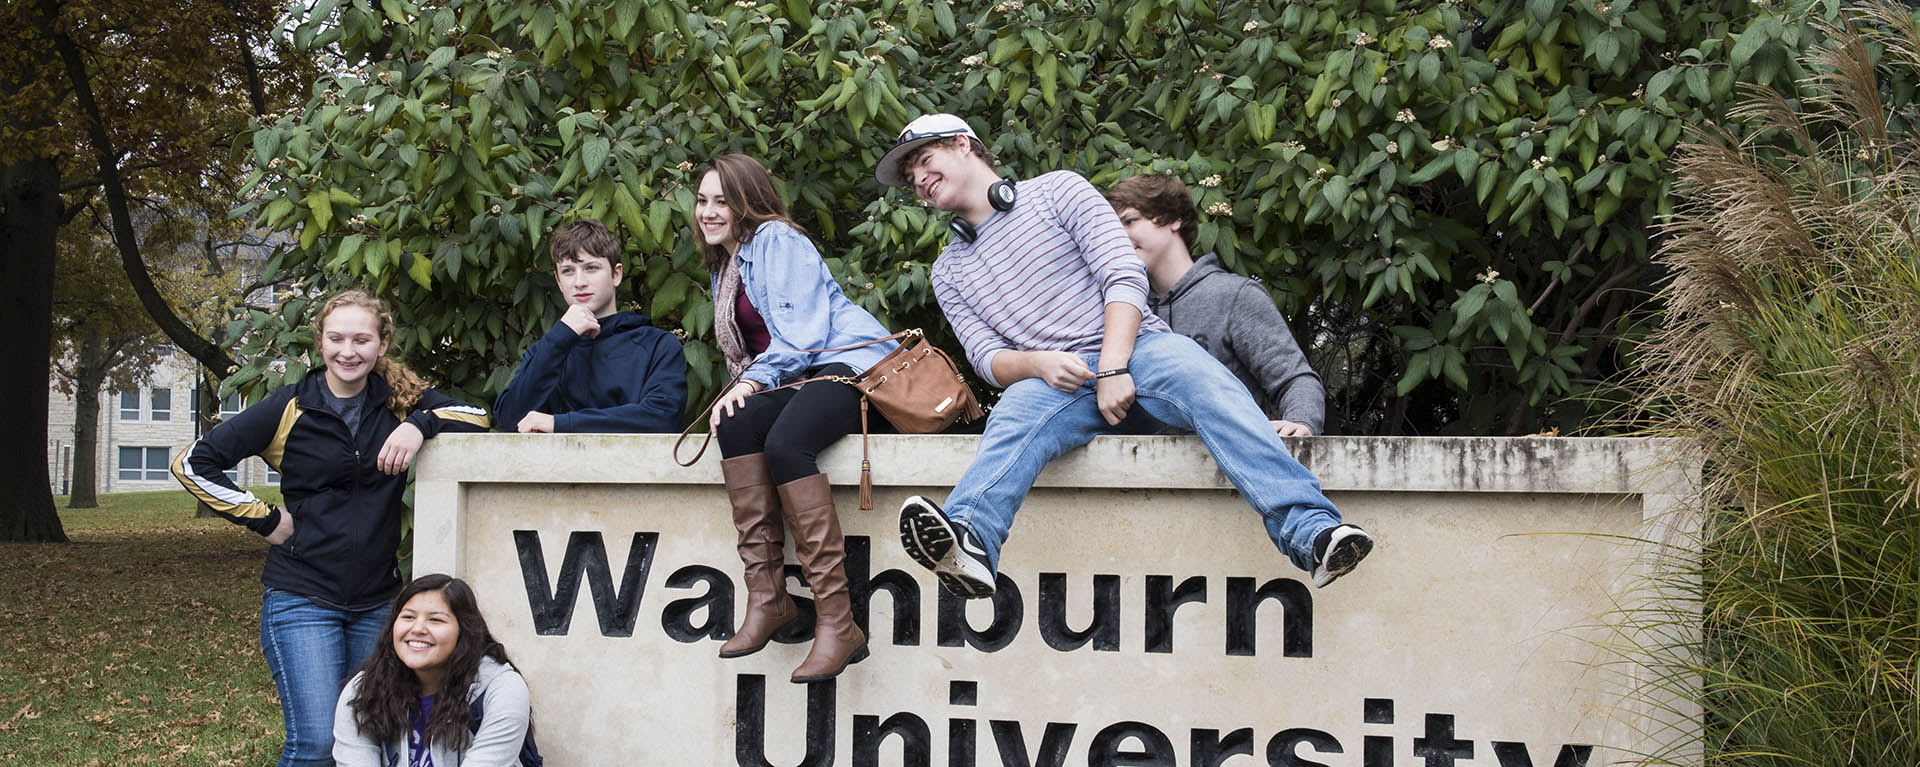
(398, 711)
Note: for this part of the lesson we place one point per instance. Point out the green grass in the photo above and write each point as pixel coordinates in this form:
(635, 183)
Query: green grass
(138, 643)
(164, 509)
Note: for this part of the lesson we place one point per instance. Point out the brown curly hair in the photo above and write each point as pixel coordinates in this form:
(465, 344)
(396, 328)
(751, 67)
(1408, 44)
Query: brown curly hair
(1161, 198)
(407, 385)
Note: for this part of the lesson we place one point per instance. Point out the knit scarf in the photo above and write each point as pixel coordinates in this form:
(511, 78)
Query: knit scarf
(726, 328)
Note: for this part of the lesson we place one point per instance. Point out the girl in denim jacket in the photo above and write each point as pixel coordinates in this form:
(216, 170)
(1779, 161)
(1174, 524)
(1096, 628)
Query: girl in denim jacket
(773, 302)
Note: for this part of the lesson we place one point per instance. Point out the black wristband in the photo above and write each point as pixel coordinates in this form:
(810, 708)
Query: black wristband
(1112, 373)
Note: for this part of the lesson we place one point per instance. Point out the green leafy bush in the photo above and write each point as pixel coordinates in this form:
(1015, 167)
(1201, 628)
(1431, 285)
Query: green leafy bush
(1451, 202)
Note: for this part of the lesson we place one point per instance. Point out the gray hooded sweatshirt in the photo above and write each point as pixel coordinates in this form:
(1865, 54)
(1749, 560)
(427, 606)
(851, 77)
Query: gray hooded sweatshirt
(1234, 319)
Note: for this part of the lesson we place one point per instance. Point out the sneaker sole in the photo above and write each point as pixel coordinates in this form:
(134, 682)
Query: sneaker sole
(1344, 556)
(925, 535)
(930, 541)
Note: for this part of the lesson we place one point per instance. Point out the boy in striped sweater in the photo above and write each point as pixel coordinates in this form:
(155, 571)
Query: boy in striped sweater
(1043, 288)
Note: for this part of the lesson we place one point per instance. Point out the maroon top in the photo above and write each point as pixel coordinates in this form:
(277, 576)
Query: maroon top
(753, 328)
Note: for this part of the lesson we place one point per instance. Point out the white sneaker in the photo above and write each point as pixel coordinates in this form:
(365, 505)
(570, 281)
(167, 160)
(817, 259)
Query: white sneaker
(948, 548)
(1339, 551)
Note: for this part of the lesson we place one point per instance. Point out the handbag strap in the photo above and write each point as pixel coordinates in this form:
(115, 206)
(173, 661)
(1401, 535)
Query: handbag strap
(704, 413)
(848, 380)
(915, 332)
(708, 411)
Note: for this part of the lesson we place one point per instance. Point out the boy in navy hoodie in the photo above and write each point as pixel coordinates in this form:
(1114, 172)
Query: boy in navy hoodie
(596, 370)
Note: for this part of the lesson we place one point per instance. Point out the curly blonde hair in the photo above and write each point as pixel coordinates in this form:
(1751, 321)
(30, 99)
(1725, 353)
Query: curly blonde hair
(407, 385)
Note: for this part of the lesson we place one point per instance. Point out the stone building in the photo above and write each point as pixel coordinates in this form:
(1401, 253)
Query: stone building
(140, 432)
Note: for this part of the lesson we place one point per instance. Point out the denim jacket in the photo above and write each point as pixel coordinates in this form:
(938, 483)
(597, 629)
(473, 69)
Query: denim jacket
(804, 308)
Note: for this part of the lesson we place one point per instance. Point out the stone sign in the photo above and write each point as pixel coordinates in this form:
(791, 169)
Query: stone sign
(1142, 616)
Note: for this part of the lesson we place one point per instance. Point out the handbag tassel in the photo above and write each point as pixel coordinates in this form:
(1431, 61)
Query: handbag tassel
(866, 468)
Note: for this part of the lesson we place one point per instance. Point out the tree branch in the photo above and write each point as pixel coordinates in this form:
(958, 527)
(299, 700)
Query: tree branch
(256, 93)
(216, 360)
(83, 205)
(1579, 251)
(217, 246)
(249, 288)
(1599, 352)
(1593, 300)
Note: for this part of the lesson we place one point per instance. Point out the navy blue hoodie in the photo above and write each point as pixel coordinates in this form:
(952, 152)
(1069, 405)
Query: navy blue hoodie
(631, 377)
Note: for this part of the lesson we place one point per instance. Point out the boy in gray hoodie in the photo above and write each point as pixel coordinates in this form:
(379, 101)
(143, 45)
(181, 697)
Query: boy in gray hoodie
(1231, 316)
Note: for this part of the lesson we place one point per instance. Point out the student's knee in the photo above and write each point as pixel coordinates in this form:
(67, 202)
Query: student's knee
(787, 461)
(739, 433)
(731, 424)
(727, 427)
(1175, 361)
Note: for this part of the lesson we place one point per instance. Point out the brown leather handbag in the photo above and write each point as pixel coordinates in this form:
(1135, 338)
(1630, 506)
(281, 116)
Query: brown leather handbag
(916, 387)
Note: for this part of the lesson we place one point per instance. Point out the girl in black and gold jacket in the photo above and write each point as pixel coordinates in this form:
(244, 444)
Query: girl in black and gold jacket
(342, 439)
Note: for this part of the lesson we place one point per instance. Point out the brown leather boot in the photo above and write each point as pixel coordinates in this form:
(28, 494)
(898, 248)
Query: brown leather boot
(837, 640)
(756, 516)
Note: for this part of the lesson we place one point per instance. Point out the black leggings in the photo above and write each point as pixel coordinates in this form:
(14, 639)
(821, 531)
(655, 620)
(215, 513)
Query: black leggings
(792, 426)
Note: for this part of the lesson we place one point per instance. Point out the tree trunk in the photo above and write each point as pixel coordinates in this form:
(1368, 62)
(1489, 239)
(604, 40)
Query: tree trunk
(30, 225)
(90, 371)
(208, 392)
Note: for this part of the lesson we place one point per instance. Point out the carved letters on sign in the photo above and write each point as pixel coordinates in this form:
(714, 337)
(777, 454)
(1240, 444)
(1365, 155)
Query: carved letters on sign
(551, 599)
(1118, 743)
(1142, 619)
(586, 552)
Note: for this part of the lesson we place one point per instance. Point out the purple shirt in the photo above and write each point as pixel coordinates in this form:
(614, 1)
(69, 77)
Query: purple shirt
(753, 327)
(418, 753)
(1039, 277)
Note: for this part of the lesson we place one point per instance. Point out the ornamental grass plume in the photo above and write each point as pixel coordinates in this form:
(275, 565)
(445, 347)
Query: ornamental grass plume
(1789, 356)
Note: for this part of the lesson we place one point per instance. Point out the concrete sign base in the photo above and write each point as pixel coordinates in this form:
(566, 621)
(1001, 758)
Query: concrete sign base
(1142, 618)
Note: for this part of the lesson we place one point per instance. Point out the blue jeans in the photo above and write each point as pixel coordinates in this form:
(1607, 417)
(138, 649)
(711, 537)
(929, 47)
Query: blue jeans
(312, 651)
(1175, 382)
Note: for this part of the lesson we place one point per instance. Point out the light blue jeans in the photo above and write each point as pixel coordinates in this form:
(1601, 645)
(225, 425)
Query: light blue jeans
(1175, 382)
(312, 650)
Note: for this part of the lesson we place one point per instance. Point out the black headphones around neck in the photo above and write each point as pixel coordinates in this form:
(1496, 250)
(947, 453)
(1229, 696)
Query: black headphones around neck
(1001, 196)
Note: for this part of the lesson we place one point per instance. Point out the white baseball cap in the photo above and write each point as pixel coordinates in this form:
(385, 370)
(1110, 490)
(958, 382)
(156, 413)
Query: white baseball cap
(925, 129)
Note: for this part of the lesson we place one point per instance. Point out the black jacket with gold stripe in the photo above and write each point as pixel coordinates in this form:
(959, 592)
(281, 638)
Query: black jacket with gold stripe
(346, 512)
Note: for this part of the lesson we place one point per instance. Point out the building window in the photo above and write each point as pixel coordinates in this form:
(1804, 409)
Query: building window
(130, 406)
(143, 464)
(162, 404)
(273, 476)
(230, 406)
